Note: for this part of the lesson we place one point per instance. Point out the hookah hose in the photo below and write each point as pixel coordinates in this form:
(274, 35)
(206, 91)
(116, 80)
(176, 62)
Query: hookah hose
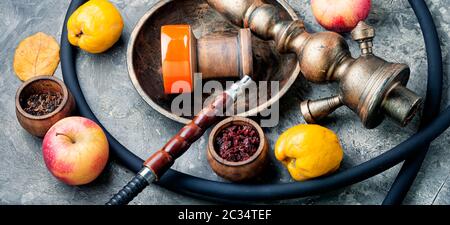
(208, 189)
(411, 166)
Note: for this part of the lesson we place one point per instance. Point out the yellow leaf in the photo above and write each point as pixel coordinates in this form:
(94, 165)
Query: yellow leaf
(36, 55)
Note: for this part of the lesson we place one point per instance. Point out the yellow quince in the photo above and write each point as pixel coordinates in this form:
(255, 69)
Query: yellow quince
(309, 151)
(95, 26)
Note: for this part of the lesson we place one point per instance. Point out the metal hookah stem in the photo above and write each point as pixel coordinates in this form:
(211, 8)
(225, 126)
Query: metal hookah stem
(158, 163)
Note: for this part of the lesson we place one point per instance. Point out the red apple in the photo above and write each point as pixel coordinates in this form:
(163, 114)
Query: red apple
(75, 150)
(340, 15)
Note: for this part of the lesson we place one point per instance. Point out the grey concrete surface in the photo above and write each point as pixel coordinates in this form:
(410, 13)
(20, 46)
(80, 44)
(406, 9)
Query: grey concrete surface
(24, 178)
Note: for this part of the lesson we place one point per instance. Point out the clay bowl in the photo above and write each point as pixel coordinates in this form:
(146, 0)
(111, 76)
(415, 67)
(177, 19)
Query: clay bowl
(144, 54)
(39, 125)
(243, 170)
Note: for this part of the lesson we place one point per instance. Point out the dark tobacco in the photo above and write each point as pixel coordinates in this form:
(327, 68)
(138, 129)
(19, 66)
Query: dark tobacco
(42, 103)
(237, 143)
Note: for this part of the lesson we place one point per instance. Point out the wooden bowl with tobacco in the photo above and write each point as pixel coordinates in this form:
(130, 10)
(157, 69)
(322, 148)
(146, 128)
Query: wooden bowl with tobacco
(41, 102)
(237, 149)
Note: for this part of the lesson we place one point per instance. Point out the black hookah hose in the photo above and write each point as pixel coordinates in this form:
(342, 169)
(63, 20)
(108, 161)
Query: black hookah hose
(208, 189)
(411, 166)
(68, 52)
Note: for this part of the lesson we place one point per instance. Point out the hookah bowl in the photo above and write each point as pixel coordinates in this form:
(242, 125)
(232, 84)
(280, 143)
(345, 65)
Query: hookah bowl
(369, 85)
(213, 56)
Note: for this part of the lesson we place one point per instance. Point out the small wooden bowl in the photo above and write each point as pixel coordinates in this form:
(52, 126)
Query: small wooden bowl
(238, 171)
(39, 125)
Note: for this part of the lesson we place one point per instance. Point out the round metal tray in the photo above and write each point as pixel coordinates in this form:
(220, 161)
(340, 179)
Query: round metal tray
(144, 54)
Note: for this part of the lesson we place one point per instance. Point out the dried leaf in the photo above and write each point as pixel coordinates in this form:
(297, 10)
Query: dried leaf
(36, 55)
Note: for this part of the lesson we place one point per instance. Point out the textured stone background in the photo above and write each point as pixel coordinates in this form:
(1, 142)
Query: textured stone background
(25, 180)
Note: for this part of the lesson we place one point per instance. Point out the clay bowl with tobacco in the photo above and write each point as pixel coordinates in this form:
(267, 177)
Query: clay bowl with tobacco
(41, 102)
(238, 149)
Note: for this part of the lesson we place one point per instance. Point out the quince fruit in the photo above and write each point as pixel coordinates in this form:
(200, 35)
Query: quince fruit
(95, 26)
(309, 151)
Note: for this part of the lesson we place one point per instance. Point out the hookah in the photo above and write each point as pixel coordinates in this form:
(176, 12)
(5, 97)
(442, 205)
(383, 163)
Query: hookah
(370, 86)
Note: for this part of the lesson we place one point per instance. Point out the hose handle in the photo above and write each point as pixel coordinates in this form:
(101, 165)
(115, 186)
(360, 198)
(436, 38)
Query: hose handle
(163, 159)
(158, 163)
(133, 188)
